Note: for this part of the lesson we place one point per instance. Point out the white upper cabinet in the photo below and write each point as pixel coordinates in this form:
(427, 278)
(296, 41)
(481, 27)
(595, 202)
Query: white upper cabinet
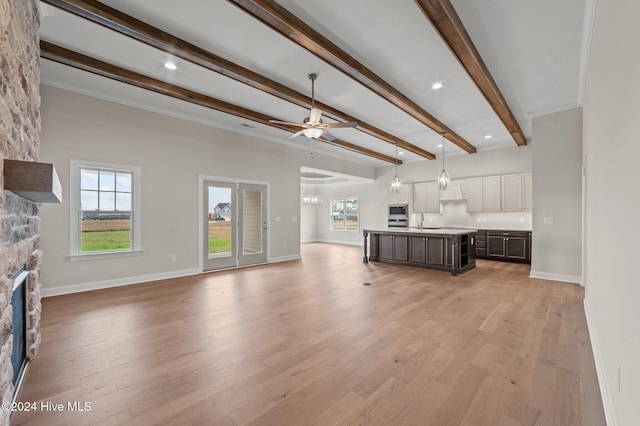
(491, 193)
(527, 185)
(475, 197)
(506, 193)
(517, 192)
(426, 198)
(512, 193)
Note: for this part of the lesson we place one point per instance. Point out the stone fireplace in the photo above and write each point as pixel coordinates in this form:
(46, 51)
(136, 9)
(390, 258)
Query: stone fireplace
(19, 140)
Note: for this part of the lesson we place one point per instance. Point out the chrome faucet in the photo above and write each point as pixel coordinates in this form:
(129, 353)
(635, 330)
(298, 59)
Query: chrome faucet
(421, 220)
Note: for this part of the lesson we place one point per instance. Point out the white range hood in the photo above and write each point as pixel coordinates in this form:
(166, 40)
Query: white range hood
(451, 194)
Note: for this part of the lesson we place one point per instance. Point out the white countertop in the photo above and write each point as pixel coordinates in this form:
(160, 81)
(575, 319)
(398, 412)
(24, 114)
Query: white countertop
(437, 231)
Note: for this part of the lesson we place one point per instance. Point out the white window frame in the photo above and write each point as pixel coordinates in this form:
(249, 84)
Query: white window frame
(75, 211)
(353, 197)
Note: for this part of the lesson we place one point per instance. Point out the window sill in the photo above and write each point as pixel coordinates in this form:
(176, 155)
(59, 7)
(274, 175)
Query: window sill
(103, 255)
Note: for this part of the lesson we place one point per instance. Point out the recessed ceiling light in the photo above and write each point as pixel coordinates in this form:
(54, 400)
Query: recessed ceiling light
(400, 152)
(436, 86)
(170, 65)
(439, 145)
(487, 136)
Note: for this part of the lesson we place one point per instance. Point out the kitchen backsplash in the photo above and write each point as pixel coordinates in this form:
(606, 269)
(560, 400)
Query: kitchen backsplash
(454, 214)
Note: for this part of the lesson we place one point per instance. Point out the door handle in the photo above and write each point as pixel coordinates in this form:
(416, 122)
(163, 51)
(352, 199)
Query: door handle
(264, 225)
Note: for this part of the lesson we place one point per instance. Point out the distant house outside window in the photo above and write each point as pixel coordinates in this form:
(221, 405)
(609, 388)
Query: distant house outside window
(105, 209)
(344, 214)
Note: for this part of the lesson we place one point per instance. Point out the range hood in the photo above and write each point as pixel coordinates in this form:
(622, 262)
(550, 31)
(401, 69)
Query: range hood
(452, 193)
(34, 181)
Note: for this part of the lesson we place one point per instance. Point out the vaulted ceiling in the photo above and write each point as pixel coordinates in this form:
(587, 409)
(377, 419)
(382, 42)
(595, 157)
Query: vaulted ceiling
(241, 63)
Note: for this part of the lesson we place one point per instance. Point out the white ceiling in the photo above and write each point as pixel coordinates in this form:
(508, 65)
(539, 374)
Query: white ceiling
(535, 50)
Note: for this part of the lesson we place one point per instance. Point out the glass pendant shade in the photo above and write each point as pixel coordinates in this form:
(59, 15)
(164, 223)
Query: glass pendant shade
(443, 180)
(313, 132)
(395, 185)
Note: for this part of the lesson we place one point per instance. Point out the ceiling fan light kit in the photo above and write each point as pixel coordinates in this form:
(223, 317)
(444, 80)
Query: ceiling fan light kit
(312, 126)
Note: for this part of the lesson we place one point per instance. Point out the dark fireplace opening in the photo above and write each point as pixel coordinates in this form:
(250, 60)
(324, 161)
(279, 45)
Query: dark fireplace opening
(19, 307)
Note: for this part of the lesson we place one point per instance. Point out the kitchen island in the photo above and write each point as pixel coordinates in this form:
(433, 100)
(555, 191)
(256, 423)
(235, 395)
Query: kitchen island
(443, 249)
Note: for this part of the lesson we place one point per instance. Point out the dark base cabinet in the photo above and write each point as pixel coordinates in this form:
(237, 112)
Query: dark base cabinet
(511, 246)
(394, 247)
(447, 252)
(429, 250)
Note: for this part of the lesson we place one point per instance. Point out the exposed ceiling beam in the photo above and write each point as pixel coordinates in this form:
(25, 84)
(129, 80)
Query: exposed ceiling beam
(448, 24)
(86, 63)
(155, 37)
(286, 23)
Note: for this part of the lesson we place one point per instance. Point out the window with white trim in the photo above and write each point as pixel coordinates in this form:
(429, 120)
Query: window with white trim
(344, 214)
(105, 209)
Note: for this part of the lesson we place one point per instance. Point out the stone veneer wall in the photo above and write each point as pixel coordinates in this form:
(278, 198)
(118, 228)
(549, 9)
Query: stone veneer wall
(19, 140)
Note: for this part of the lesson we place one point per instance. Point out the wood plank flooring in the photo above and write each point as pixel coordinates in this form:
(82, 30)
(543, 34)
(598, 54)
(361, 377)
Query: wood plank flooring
(305, 342)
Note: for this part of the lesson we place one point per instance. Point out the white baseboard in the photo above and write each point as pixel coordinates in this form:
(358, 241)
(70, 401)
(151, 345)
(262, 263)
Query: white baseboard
(118, 282)
(285, 258)
(574, 279)
(308, 241)
(605, 390)
(347, 243)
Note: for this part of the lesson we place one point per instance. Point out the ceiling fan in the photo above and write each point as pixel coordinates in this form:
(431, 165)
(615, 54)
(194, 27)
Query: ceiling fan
(313, 127)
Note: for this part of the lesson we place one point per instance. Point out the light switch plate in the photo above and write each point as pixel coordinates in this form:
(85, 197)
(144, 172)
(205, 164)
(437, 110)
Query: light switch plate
(294, 218)
(548, 220)
(277, 218)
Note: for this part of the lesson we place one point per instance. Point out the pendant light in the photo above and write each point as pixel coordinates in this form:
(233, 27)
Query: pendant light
(443, 179)
(315, 199)
(305, 197)
(395, 184)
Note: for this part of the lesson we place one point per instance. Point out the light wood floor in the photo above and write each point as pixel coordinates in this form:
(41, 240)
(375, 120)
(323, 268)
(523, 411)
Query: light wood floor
(305, 342)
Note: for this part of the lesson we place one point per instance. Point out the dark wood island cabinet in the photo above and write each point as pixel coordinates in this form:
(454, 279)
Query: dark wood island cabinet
(450, 250)
(512, 246)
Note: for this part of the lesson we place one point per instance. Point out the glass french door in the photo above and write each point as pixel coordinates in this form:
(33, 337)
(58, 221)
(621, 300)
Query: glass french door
(253, 224)
(235, 225)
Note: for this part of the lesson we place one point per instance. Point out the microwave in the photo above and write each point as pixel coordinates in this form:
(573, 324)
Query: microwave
(398, 216)
(397, 210)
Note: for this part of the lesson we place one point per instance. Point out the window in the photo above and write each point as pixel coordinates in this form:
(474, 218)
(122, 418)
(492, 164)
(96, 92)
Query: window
(344, 214)
(105, 209)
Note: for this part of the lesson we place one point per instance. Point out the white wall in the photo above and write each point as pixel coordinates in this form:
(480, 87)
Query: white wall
(172, 153)
(308, 223)
(611, 149)
(557, 194)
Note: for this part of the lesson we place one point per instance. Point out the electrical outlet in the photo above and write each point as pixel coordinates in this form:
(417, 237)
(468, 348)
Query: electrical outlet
(173, 259)
(522, 220)
(285, 246)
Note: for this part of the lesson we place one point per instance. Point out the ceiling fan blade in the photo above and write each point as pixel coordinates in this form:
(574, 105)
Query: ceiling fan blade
(286, 122)
(338, 125)
(297, 134)
(314, 116)
(328, 136)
